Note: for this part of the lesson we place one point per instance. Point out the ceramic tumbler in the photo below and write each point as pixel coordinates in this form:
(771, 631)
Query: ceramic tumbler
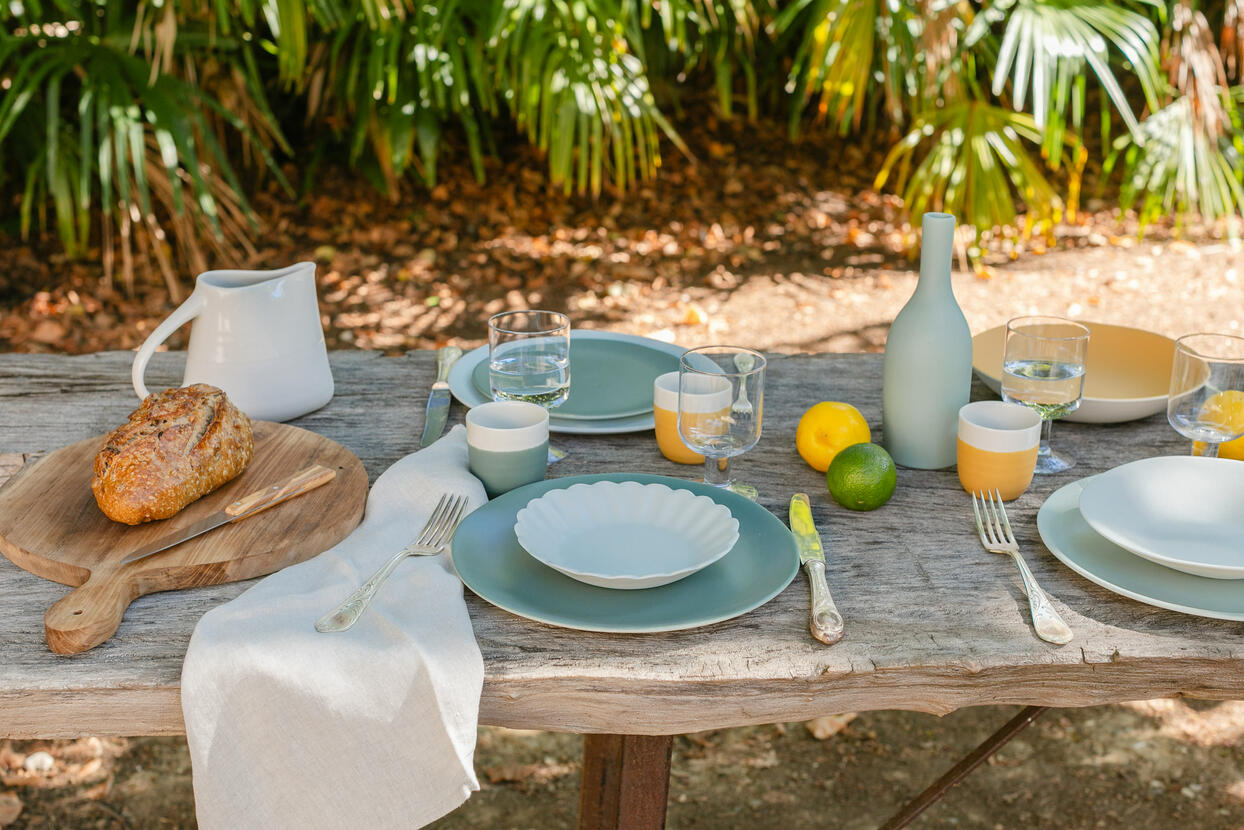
(997, 447)
(709, 403)
(507, 444)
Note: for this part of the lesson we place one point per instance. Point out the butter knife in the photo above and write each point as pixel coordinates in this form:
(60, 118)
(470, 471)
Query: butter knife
(825, 621)
(260, 500)
(438, 398)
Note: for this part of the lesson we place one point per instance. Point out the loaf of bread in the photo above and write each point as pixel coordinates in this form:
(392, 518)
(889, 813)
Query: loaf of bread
(179, 445)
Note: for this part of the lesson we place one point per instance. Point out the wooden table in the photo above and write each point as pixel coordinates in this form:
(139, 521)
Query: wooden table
(934, 622)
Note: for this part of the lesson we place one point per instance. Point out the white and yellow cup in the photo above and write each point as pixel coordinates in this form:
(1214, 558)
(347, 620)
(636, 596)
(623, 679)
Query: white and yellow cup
(709, 403)
(998, 444)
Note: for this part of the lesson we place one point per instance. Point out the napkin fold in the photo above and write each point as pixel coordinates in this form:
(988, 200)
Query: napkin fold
(372, 727)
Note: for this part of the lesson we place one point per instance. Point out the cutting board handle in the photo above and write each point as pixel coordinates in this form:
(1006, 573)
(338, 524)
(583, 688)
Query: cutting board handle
(89, 614)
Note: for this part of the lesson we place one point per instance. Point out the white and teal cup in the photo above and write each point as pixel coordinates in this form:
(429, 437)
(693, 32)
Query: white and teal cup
(507, 444)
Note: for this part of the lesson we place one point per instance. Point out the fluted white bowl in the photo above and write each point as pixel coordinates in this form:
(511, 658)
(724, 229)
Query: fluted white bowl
(625, 534)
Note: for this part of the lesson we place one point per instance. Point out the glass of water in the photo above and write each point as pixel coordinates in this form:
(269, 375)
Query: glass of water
(720, 406)
(1206, 403)
(1043, 368)
(529, 357)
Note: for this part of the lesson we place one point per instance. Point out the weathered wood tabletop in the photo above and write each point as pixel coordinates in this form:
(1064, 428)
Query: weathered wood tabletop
(933, 621)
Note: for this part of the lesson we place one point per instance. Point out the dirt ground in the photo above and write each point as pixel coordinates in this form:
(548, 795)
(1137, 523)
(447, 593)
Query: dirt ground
(787, 251)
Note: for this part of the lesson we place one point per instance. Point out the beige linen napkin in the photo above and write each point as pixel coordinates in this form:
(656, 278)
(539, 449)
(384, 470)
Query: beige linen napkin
(372, 727)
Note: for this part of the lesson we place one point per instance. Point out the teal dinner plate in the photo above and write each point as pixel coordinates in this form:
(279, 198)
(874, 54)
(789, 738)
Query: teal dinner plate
(494, 566)
(1079, 547)
(608, 378)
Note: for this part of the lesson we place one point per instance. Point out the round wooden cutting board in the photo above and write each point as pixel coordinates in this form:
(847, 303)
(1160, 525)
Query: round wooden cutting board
(51, 526)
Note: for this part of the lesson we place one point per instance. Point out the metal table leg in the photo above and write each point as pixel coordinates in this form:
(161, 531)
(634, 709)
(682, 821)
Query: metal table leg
(625, 782)
(960, 770)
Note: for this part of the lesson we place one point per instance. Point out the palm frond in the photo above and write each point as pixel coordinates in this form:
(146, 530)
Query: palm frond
(1195, 69)
(1231, 41)
(1045, 47)
(97, 127)
(566, 73)
(971, 158)
(1179, 167)
(719, 34)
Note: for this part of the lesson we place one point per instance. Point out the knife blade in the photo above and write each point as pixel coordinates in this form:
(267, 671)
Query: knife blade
(301, 482)
(825, 622)
(438, 399)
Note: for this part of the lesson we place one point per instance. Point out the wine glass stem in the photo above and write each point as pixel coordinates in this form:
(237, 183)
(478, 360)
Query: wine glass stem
(717, 471)
(1205, 449)
(1047, 426)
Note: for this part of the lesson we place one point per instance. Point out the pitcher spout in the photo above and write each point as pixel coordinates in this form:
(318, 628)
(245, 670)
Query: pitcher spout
(245, 279)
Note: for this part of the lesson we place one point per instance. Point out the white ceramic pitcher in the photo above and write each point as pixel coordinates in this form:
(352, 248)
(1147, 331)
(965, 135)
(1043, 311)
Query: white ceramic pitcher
(257, 336)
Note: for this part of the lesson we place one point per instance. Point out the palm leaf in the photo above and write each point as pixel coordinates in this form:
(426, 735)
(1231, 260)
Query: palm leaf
(1179, 167)
(1045, 47)
(971, 159)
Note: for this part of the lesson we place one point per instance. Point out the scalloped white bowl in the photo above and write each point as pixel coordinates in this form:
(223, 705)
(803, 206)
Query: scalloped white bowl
(625, 534)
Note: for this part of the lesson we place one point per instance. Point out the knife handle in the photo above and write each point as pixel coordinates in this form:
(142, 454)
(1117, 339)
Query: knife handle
(297, 484)
(446, 357)
(825, 622)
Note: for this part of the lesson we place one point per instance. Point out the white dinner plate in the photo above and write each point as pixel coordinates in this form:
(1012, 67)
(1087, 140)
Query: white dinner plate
(463, 387)
(1099, 560)
(1180, 511)
(624, 534)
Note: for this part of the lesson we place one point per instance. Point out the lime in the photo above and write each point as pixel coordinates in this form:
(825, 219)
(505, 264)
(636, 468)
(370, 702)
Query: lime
(862, 477)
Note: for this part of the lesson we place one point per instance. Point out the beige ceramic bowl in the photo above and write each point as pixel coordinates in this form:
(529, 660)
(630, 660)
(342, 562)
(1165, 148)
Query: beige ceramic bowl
(1126, 377)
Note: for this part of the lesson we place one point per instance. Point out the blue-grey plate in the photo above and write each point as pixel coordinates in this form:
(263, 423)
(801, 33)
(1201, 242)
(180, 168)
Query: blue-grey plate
(1092, 556)
(462, 384)
(608, 378)
(494, 566)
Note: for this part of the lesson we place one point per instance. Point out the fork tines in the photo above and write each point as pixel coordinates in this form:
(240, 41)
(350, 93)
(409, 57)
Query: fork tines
(995, 529)
(444, 519)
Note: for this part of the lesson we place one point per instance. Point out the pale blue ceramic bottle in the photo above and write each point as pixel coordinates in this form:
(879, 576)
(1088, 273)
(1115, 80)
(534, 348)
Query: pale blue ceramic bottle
(928, 360)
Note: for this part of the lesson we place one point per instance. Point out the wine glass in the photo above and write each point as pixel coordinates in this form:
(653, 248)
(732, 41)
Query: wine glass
(720, 406)
(529, 357)
(1043, 368)
(1206, 375)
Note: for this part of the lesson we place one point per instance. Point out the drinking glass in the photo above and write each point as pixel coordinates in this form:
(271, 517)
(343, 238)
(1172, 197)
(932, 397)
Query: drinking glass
(720, 405)
(1206, 403)
(1043, 368)
(529, 357)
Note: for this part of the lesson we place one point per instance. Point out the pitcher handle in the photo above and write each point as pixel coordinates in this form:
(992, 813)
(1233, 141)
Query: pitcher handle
(183, 314)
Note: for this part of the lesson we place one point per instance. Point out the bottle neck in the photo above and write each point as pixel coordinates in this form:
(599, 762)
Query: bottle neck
(933, 280)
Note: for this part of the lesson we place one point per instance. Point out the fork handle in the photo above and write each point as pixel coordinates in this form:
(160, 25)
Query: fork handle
(825, 622)
(347, 614)
(1046, 620)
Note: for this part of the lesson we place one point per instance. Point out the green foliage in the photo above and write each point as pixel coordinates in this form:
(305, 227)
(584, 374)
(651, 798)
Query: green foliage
(142, 117)
(975, 164)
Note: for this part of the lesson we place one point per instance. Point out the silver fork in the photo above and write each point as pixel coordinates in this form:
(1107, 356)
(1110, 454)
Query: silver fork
(438, 530)
(996, 536)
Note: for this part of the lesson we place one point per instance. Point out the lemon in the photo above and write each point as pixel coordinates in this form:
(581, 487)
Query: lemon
(828, 428)
(1226, 407)
(862, 477)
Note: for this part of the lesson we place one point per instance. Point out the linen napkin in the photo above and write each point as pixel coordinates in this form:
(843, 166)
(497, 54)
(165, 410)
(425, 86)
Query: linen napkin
(372, 727)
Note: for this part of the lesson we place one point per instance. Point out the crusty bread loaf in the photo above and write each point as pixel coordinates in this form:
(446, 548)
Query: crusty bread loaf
(178, 445)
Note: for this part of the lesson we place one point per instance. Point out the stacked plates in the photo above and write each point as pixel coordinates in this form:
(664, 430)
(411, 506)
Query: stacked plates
(611, 379)
(1166, 531)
